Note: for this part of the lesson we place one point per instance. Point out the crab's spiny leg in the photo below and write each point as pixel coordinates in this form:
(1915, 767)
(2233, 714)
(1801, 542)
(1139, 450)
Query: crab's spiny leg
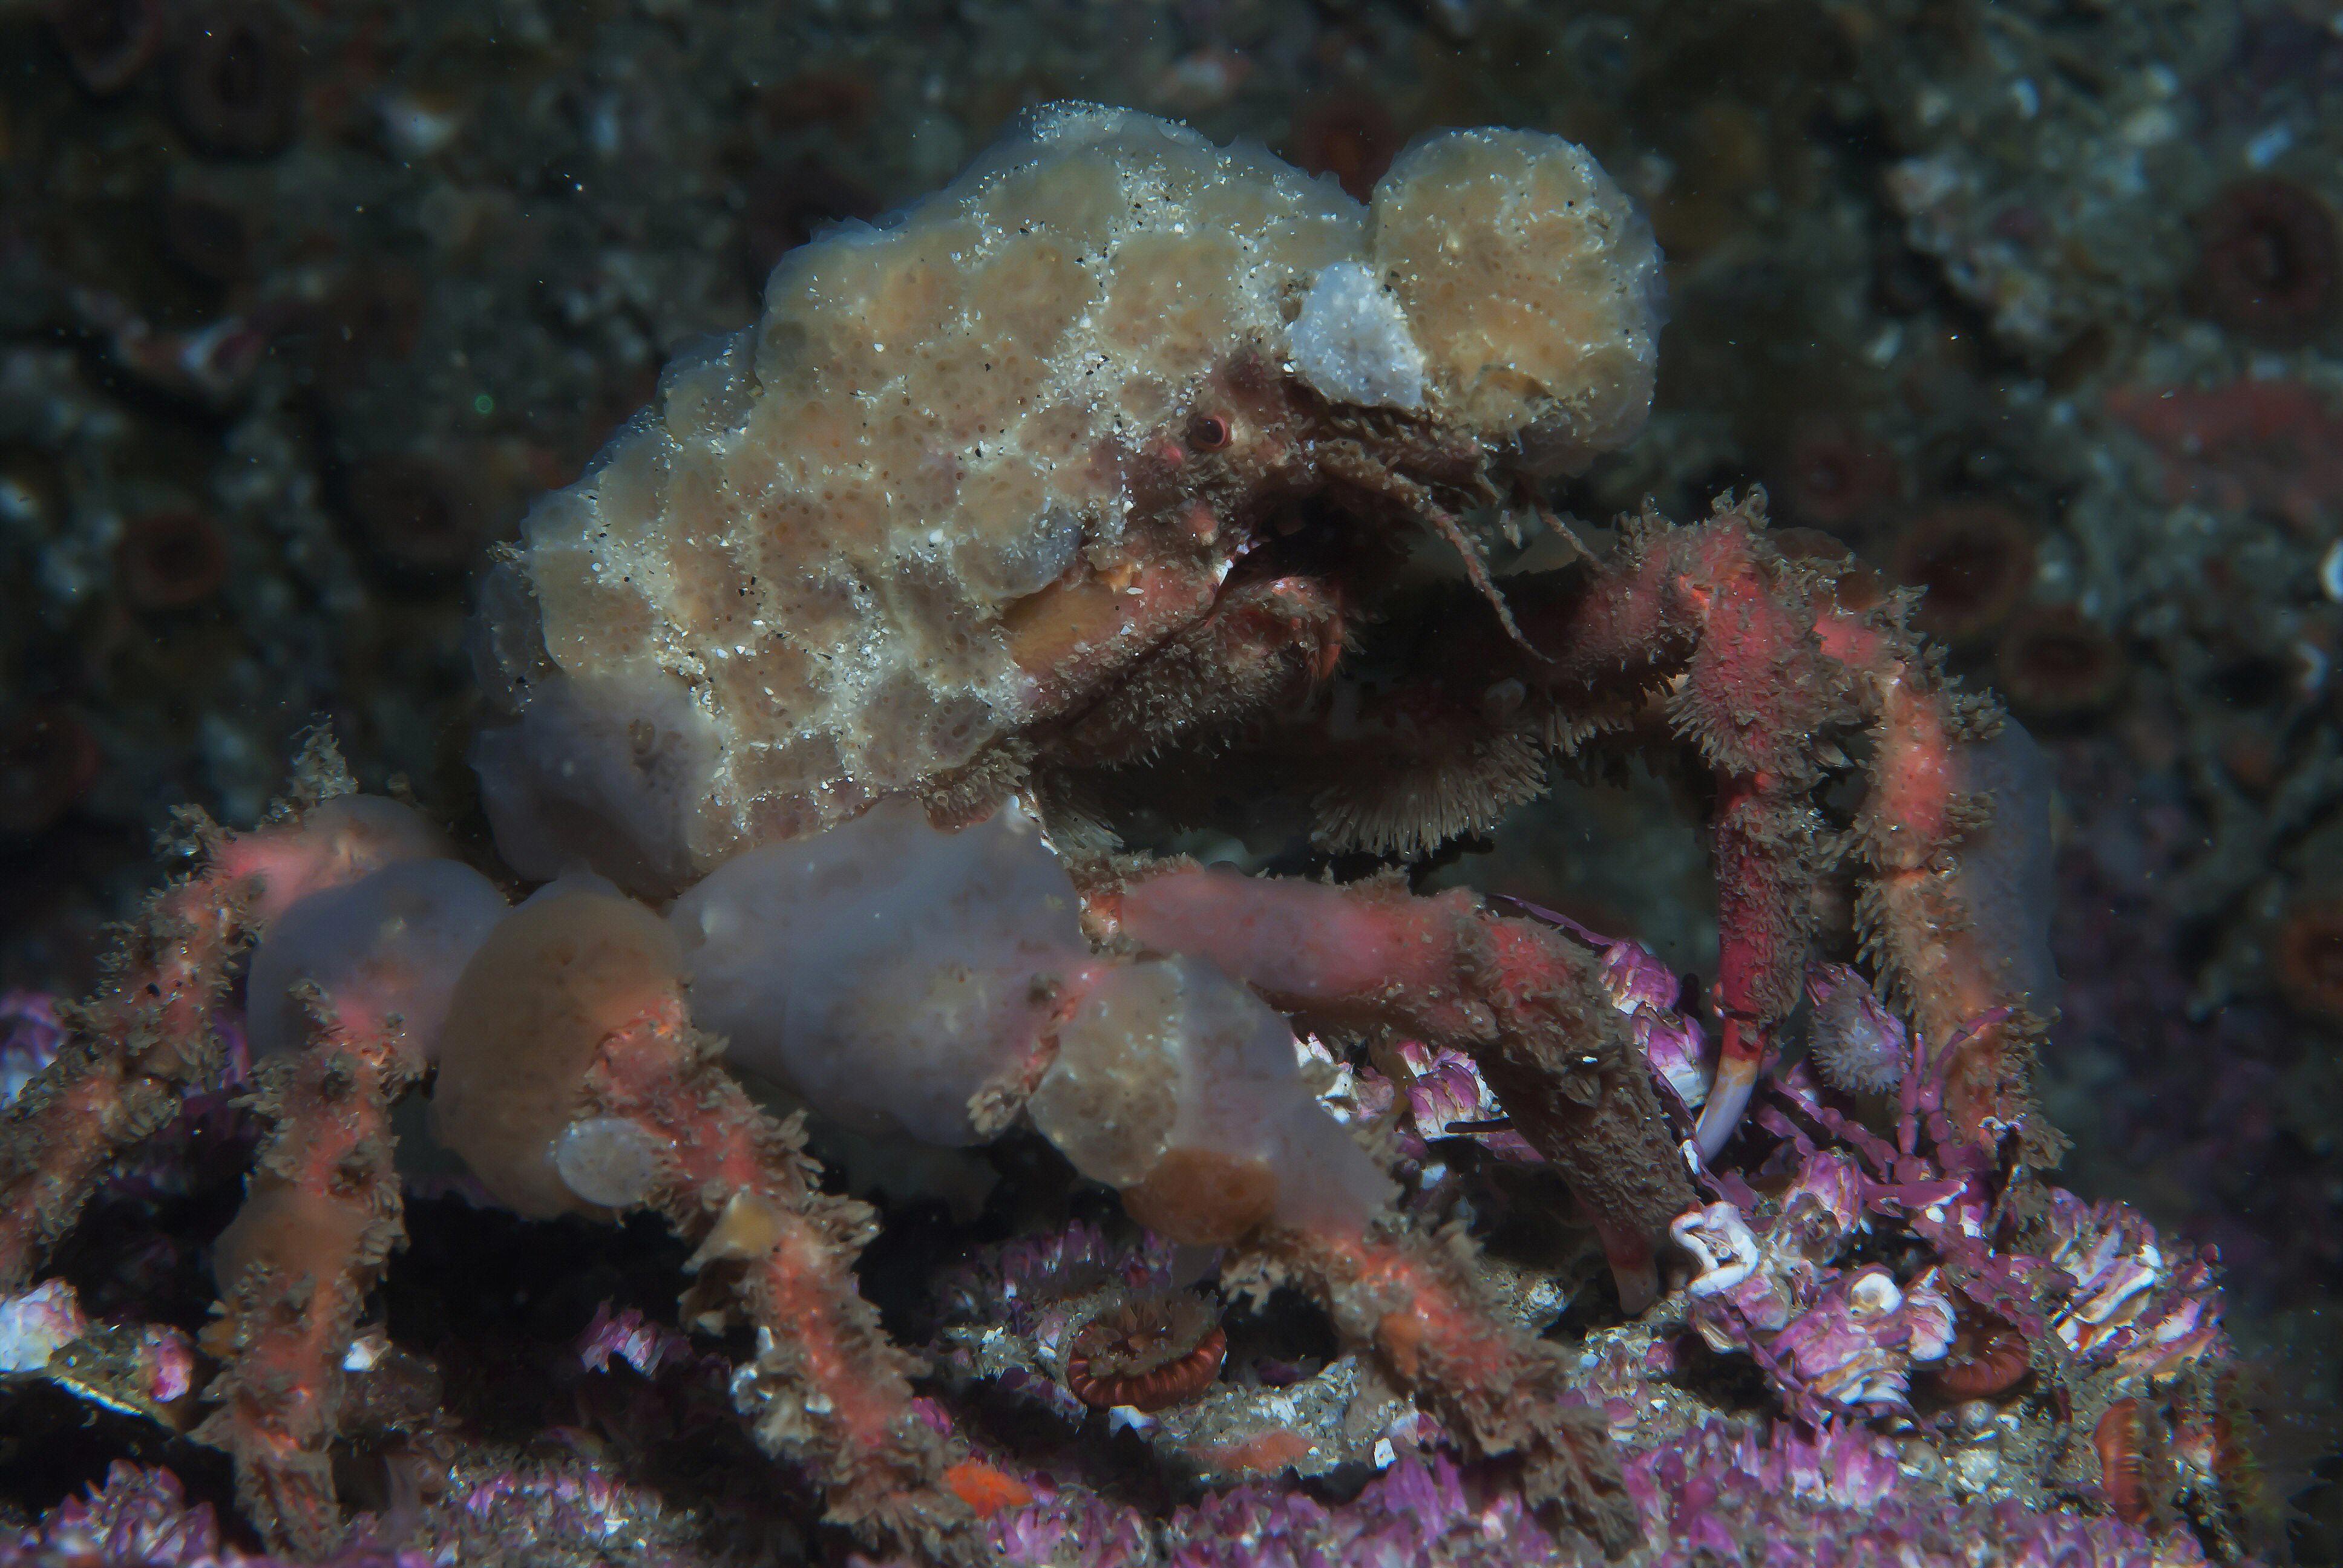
(827, 1386)
(1413, 1298)
(320, 1215)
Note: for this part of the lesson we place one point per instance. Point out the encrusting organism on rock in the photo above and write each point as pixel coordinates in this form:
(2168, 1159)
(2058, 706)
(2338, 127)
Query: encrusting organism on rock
(819, 710)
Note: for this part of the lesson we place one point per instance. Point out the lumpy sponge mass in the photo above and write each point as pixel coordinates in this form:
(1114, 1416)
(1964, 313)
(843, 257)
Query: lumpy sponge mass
(785, 590)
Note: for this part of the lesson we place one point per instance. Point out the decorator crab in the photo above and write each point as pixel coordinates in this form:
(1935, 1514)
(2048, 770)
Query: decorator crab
(1090, 493)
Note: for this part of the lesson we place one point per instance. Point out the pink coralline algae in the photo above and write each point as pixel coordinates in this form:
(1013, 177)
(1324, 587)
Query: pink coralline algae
(1723, 1493)
(1727, 1496)
(1830, 1340)
(1651, 997)
(140, 1519)
(626, 1337)
(1839, 1338)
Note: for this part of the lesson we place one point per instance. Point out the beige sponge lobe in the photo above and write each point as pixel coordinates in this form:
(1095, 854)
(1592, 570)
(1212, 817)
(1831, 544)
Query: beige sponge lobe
(575, 964)
(1534, 284)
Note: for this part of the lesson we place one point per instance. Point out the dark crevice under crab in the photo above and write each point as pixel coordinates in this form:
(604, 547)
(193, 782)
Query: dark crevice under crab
(1247, 625)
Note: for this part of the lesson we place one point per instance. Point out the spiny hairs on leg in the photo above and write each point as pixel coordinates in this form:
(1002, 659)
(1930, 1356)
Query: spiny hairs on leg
(827, 1387)
(144, 1037)
(321, 1215)
(1413, 1298)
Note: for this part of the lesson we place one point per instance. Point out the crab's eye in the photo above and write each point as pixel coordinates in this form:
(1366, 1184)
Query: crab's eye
(1208, 433)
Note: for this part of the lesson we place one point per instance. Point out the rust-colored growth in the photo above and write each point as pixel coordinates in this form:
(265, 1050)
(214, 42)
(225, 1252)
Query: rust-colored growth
(170, 560)
(1203, 1199)
(239, 78)
(1835, 476)
(1149, 1353)
(1986, 1359)
(1264, 1454)
(2053, 661)
(553, 979)
(2121, 1439)
(2270, 446)
(2271, 266)
(1352, 138)
(418, 514)
(827, 1389)
(1975, 559)
(106, 42)
(2307, 958)
(986, 1488)
(48, 760)
(321, 1215)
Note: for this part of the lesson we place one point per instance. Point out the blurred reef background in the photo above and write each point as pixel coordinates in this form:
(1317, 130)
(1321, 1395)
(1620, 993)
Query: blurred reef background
(2034, 304)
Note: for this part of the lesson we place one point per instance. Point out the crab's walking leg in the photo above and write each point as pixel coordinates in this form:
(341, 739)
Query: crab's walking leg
(320, 1215)
(827, 1386)
(146, 1037)
(1770, 663)
(1413, 1298)
(1931, 798)
(136, 1046)
(1763, 839)
(1525, 1002)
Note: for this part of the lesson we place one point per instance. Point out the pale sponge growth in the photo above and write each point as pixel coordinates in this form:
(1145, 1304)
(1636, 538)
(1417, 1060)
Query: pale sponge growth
(337, 841)
(1180, 1087)
(940, 492)
(1352, 341)
(890, 972)
(575, 964)
(388, 946)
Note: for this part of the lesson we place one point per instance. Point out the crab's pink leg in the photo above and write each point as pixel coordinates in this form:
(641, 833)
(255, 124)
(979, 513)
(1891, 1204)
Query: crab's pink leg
(1524, 1001)
(321, 1214)
(1946, 965)
(1504, 1392)
(146, 1037)
(1761, 932)
(827, 1387)
(136, 1045)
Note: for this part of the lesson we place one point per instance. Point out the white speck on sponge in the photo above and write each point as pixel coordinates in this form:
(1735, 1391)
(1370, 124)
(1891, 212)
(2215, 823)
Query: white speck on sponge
(1352, 341)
